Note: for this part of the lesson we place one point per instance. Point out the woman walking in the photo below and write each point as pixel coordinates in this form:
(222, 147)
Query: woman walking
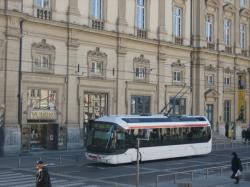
(236, 167)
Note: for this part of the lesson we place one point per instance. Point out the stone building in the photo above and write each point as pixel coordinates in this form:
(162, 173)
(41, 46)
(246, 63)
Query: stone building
(66, 62)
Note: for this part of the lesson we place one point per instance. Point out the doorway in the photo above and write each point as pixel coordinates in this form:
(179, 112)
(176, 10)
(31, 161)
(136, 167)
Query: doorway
(210, 113)
(43, 136)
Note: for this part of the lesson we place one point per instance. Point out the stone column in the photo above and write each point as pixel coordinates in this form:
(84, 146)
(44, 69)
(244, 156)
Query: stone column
(121, 76)
(12, 132)
(74, 138)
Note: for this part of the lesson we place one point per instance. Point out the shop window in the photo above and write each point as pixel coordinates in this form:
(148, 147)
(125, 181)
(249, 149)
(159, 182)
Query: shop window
(140, 104)
(42, 99)
(178, 106)
(95, 105)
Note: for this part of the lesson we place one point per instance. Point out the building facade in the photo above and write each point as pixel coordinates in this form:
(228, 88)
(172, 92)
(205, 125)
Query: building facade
(66, 62)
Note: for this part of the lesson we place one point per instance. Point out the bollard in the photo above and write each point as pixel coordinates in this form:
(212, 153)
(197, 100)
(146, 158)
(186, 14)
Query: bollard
(192, 176)
(221, 170)
(175, 178)
(206, 173)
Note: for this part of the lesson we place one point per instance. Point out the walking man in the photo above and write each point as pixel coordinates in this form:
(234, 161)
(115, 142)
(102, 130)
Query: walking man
(236, 167)
(42, 175)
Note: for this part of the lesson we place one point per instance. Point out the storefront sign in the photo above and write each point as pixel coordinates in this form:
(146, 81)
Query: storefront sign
(42, 115)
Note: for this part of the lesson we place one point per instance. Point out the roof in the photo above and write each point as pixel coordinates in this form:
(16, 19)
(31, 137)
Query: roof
(155, 121)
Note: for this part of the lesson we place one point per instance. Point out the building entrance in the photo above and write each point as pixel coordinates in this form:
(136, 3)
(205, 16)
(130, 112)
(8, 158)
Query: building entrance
(40, 136)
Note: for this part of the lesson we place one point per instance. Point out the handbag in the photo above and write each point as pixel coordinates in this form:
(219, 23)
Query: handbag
(238, 173)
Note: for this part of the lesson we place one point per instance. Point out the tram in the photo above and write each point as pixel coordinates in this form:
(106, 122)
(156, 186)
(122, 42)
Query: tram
(113, 139)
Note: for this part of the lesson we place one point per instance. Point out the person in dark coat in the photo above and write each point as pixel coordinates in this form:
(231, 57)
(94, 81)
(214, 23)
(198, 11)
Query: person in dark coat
(236, 165)
(42, 175)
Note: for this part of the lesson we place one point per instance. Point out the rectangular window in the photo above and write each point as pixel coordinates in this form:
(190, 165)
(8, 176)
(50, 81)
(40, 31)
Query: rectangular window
(227, 81)
(242, 82)
(95, 105)
(227, 32)
(227, 111)
(177, 76)
(178, 105)
(45, 4)
(96, 67)
(42, 62)
(210, 80)
(243, 36)
(140, 72)
(209, 28)
(42, 99)
(140, 14)
(97, 9)
(177, 22)
(140, 104)
(243, 3)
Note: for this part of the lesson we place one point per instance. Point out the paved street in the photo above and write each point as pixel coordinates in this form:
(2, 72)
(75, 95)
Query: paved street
(69, 169)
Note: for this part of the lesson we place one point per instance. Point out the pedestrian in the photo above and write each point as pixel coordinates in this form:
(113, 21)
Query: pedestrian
(247, 138)
(42, 175)
(236, 167)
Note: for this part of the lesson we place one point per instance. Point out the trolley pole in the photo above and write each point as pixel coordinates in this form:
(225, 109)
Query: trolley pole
(138, 164)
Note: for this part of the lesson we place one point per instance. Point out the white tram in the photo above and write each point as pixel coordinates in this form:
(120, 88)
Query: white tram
(113, 139)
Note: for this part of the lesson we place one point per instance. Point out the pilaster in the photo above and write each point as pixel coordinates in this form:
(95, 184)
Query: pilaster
(121, 83)
(12, 133)
(236, 27)
(161, 84)
(122, 22)
(220, 101)
(74, 138)
(198, 85)
(162, 20)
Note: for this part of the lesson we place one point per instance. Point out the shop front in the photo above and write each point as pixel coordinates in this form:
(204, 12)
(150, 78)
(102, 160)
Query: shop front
(41, 131)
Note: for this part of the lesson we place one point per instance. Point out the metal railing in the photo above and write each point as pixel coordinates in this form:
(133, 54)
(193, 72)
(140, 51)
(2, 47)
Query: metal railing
(202, 173)
(228, 145)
